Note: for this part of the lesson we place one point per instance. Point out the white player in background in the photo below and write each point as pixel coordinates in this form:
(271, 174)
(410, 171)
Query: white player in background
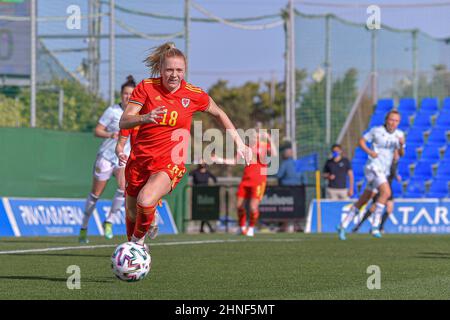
(107, 163)
(386, 141)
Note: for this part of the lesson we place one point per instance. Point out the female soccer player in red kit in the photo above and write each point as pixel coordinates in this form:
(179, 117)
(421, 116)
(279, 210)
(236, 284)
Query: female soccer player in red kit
(162, 108)
(253, 183)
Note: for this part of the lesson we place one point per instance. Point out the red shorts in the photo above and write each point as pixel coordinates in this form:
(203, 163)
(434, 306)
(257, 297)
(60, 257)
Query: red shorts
(137, 173)
(251, 191)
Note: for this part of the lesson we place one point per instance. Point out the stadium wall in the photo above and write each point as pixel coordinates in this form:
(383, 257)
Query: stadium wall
(415, 216)
(42, 163)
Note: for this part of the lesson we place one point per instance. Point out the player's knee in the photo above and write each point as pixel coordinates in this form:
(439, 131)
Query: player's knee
(385, 194)
(253, 208)
(147, 200)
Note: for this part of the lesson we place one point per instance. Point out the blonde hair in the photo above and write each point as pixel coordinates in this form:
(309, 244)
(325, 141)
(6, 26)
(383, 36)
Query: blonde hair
(156, 58)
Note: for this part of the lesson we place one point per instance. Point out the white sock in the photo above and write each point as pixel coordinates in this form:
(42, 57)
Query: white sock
(351, 214)
(137, 240)
(117, 203)
(88, 209)
(379, 209)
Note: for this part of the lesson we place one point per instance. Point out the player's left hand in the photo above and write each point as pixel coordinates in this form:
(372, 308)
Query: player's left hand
(401, 140)
(350, 192)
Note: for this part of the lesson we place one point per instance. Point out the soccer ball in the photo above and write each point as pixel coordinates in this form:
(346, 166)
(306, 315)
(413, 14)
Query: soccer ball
(130, 262)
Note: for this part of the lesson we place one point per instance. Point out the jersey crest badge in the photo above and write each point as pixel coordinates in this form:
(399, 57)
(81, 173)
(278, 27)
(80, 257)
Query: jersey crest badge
(185, 102)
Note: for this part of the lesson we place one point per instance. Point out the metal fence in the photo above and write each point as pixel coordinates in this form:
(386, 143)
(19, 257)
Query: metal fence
(344, 67)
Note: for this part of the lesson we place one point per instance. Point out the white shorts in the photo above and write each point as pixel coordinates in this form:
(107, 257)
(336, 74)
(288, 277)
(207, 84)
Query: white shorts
(104, 169)
(375, 178)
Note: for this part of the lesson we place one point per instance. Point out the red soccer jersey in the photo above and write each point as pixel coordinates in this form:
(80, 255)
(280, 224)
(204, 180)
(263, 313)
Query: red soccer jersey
(159, 140)
(256, 173)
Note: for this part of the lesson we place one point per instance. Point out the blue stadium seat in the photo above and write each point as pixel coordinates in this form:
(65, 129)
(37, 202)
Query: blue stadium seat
(438, 136)
(403, 169)
(410, 154)
(360, 154)
(422, 120)
(363, 187)
(414, 136)
(358, 167)
(430, 153)
(397, 188)
(404, 127)
(446, 156)
(415, 189)
(446, 104)
(407, 106)
(423, 170)
(443, 119)
(443, 170)
(438, 189)
(429, 105)
(384, 105)
(355, 189)
(377, 119)
(422, 129)
(404, 121)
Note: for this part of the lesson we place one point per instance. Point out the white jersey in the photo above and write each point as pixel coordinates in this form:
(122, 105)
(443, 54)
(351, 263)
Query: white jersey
(110, 119)
(384, 144)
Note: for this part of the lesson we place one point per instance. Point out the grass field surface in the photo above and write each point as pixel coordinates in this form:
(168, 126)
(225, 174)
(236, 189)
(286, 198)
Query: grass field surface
(219, 266)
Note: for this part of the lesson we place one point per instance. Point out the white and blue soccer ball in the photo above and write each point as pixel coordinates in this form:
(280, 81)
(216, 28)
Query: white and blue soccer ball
(130, 262)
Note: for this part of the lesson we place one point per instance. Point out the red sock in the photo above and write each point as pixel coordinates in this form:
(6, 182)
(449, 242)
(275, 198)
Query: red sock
(130, 227)
(144, 218)
(242, 215)
(253, 218)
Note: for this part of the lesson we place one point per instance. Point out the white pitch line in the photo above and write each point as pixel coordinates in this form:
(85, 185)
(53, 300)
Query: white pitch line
(174, 243)
(152, 245)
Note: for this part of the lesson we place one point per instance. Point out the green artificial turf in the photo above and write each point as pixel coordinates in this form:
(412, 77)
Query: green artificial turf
(268, 266)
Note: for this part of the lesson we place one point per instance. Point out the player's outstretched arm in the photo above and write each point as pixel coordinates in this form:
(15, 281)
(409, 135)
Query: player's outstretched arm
(242, 150)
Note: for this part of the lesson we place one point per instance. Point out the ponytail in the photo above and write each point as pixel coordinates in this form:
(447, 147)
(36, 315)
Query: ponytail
(156, 58)
(129, 83)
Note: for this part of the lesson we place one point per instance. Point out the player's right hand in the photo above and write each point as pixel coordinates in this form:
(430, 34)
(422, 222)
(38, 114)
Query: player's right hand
(332, 177)
(154, 115)
(123, 158)
(373, 154)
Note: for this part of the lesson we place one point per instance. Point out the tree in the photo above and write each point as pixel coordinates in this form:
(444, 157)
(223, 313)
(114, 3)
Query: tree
(245, 105)
(81, 108)
(437, 85)
(311, 116)
(11, 112)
